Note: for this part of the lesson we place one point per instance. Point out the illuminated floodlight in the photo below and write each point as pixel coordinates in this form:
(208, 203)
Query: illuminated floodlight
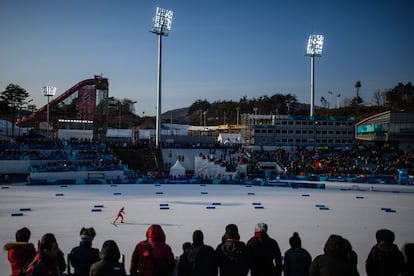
(49, 91)
(162, 21)
(315, 45)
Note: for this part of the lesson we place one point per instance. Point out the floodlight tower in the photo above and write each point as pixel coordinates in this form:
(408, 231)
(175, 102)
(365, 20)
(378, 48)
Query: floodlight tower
(337, 100)
(162, 27)
(238, 115)
(48, 91)
(314, 49)
(330, 98)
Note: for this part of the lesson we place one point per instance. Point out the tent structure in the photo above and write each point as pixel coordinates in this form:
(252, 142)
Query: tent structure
(205, 168)
(230, 138)
(208, 169)
(177, 170)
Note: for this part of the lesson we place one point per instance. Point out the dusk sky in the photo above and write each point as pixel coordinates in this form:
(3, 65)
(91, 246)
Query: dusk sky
(217, 49)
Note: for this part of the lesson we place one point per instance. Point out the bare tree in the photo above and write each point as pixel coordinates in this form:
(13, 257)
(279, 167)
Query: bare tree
(324, 102)
(378, 98)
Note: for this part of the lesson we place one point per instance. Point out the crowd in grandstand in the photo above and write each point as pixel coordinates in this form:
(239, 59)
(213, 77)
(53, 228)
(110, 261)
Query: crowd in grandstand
(361, 160)
(61, 155)
(84, 154)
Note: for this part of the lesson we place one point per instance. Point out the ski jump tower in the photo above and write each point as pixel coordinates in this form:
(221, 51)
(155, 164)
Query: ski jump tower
(85, 105)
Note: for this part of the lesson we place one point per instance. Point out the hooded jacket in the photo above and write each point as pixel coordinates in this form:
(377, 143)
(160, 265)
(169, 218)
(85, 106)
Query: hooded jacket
(109, 264)
(151, 253)
(334, 261)
(19, 254)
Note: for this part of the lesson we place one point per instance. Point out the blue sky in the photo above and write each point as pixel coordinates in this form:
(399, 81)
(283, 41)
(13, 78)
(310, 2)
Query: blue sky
(217, 49)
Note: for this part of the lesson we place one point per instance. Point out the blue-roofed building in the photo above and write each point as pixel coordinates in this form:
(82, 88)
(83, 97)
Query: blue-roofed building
(392, 127)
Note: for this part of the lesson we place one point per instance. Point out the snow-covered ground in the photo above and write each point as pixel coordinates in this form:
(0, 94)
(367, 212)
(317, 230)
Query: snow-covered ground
(355, 214)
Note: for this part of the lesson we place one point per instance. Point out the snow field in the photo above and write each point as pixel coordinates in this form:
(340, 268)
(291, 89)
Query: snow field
(64, 210)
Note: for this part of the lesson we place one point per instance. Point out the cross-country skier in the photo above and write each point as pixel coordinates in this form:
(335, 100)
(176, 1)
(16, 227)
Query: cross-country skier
(120, 214)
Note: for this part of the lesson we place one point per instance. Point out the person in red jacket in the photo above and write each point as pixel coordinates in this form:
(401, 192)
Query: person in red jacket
(152, 256)
(20, 252)
(120, 215)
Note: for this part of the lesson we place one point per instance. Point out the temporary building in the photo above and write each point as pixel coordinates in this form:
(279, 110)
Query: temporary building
(230, 138)
(177, 170)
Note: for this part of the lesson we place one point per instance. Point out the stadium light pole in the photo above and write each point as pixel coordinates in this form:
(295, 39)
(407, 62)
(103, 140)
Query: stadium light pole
(314, 49)
(238, 115)
(162, 27)
(48, 91)
(119, 116)
(255, 115)
(337, 100)
(330, 98)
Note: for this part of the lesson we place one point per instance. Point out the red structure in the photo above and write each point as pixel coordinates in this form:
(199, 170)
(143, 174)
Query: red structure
(85, 101)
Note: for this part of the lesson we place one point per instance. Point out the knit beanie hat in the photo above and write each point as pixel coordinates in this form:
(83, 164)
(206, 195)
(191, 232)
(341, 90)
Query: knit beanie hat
(295, 241)
(261, 227)
(232, 232)
(87, 234)
(385, 235)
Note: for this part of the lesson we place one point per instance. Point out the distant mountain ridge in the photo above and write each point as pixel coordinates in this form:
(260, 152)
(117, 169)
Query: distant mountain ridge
(178, 116)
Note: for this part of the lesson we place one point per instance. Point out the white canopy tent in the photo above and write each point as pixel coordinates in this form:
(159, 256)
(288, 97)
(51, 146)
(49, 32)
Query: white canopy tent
(177, 170)
(230, 138)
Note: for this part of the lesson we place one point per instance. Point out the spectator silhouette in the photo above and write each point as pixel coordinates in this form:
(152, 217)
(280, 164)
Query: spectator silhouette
(408, 252)
(49, 259)
(109, 264)
(232, 253)
(83, 256)
(351, 256)
(185, 246)
(297, 259)
(384, 258)
(152, 256)
(199, 259)
(264, 253)
(334, 261)
(21, 251)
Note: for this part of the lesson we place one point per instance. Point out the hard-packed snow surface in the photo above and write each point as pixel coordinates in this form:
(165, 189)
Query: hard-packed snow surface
(355, 213)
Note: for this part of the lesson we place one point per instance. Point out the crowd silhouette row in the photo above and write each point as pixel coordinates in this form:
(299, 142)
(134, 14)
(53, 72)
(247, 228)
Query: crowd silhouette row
(261, 256)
